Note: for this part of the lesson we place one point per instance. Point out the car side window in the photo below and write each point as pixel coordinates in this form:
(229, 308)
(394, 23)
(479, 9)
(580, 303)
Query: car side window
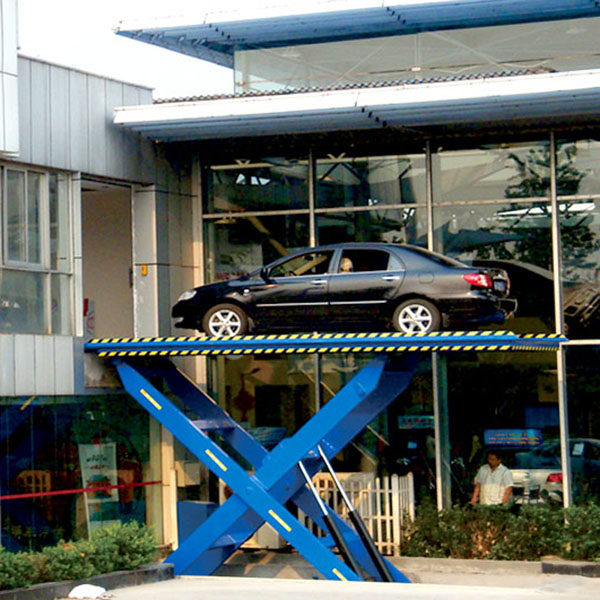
(593, 452)
(310, 263)
(363, 260)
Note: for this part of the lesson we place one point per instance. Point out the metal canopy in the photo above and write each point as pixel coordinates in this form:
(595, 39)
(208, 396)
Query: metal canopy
(412, 106)
(214, 37)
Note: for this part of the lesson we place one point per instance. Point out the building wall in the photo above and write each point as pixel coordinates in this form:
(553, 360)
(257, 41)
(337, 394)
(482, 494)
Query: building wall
(65, 122)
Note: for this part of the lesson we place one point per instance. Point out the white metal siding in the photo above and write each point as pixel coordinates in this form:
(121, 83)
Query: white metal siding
(36, 365)
(66, 122)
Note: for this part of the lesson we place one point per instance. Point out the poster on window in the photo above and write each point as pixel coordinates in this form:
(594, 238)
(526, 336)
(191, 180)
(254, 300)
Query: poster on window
(99, 469)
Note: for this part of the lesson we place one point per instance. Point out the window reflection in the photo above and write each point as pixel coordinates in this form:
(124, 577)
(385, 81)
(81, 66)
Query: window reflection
(276, 184)
(399, 225)
(373, 181)
(481, 174)
(515, 237)
(578, 178)
(240, 245)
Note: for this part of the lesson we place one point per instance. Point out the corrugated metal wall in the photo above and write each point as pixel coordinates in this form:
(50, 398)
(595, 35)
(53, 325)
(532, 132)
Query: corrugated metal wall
(65, 122)
(36, 364)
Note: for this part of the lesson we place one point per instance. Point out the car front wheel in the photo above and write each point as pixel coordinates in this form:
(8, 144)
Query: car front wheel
(416, 316)
(225, 320)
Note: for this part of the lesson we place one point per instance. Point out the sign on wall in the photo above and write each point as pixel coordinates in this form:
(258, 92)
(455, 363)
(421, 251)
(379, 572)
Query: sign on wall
(99, 469)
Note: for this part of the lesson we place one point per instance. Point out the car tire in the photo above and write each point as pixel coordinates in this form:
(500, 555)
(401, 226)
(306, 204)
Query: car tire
(225, 320)
(416, 316)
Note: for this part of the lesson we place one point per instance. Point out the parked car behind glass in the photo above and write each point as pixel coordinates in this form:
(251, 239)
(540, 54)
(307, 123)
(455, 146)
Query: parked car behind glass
(352, 286)
(542, 468)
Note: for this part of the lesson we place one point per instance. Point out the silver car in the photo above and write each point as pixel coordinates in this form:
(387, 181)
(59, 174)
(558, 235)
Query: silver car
(538, 473)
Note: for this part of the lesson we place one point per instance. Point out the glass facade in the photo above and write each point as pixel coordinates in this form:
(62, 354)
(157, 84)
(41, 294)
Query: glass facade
(35, 253)
(551, 46)
(66, 444)
(487, 206)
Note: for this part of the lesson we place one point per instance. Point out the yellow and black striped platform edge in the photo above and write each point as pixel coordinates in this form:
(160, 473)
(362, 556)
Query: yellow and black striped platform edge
(313, 336)
(379, 347)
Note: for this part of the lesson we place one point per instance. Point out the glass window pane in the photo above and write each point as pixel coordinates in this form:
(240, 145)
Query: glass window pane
(16, 230)
(274, 398)
(45, 441)
(583, 387)
(578, 176)
(59, 222)
(373, 181)
(513, 236)
(510, 406)
(22, 302)
(479, 174)
(405, 225)
(60, 299)
(239, 245)
(34, 187)
(276, 184)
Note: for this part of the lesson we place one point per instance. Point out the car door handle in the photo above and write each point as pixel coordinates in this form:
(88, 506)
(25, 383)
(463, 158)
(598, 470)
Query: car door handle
(391, 277)
(319, 281)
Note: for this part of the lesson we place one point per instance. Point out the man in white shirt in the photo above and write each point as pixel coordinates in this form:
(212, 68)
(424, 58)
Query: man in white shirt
(493, 483)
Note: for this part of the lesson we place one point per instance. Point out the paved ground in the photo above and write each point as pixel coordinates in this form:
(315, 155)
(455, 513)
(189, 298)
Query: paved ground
(553, 587)
(274, 576)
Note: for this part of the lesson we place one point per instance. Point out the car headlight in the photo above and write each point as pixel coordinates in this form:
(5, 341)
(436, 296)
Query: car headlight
(187, 295)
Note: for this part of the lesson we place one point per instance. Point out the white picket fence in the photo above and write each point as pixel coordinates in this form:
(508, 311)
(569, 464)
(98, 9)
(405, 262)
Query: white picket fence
(382, 502)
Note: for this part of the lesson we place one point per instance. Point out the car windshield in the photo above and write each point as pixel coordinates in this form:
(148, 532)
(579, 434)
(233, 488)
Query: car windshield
(438, 258)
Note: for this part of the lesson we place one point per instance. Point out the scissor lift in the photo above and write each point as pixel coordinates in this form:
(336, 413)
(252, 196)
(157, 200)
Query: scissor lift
(261, 497)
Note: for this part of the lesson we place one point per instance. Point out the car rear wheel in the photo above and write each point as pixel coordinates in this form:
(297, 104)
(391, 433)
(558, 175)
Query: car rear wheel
(416, 316)
(225, 320)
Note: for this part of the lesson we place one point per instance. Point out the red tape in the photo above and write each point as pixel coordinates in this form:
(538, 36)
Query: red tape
(78, 491)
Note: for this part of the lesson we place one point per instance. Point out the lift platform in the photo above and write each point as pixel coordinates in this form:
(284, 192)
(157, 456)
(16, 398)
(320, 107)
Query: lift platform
(261, 497)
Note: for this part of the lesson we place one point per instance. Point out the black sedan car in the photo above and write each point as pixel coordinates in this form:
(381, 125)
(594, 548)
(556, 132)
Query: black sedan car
(350, 286)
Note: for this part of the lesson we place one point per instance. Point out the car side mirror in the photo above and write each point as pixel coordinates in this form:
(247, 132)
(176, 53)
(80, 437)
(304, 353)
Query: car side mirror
(264, 273)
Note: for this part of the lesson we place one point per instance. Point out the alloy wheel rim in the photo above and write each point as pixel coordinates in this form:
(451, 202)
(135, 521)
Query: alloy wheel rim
(224, 323)
(415, 318)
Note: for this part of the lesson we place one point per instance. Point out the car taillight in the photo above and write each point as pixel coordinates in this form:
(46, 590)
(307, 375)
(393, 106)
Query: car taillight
(478, 279)
(554, 478)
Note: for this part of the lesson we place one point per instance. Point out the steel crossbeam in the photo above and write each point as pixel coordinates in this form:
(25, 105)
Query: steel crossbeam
(260, 497)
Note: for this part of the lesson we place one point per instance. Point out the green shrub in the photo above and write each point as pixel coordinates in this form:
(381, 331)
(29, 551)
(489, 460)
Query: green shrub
(19, 569)
(581, 533)
(485, 532)
(128, 546)
(114, 548)
(66, 561)
(536, 532)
